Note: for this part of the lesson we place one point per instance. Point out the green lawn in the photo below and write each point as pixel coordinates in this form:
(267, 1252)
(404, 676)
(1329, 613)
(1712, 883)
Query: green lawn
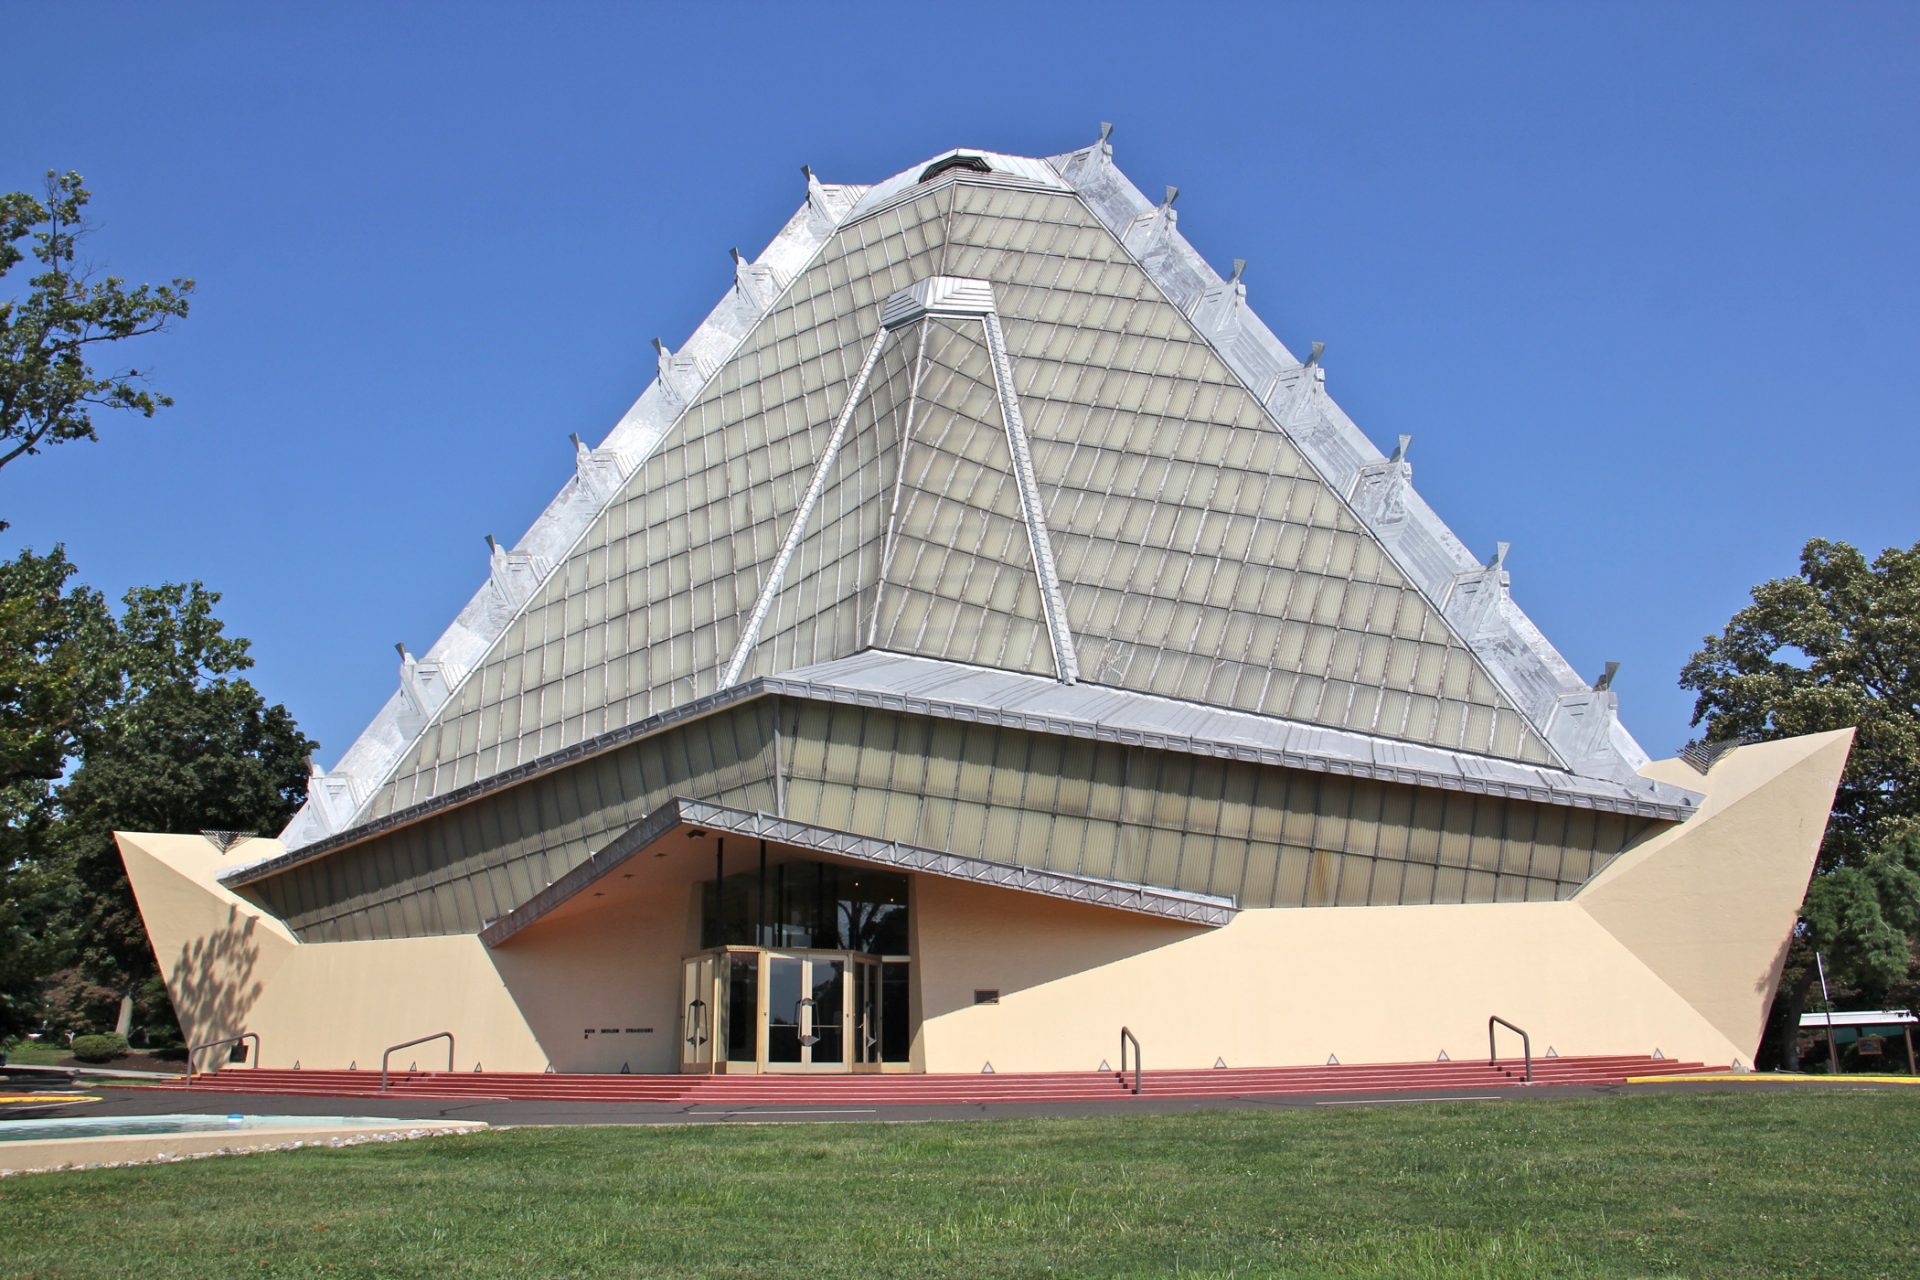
(1824, 1184)
(35, 1053)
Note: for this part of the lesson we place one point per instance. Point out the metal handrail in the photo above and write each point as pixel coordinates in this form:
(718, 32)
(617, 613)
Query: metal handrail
(1526, 1044)
(1126, 1035)
(438, 1035)
(215, 1044)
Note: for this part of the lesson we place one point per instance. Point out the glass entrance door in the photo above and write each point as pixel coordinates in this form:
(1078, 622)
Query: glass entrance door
(807, 997)
(866, 1012)
(786, 988)
(702, 1014)
(749, 1009)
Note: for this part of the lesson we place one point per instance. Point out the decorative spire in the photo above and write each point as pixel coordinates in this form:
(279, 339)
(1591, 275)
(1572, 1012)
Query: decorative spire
(1149, 229)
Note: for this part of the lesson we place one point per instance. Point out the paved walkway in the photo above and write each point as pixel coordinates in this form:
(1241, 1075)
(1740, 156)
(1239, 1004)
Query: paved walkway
(134, 1102)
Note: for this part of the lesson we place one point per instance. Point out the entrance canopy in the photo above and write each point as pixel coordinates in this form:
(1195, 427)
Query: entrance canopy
(679, 818)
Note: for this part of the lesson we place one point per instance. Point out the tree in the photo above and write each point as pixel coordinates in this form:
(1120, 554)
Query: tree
(1837, 646)
(57, 643)
(55, 672)
(140, 722)
(185, 745)
(49, 338)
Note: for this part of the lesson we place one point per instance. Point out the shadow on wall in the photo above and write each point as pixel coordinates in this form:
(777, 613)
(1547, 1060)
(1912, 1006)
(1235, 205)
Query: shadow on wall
(1010, 942)
(212, 981)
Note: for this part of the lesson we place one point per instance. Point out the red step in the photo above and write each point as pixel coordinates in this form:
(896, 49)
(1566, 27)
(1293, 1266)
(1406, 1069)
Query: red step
(933, 1090)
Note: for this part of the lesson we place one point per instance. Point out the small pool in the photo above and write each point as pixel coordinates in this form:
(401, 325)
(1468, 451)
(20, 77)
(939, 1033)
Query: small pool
(133, 1126)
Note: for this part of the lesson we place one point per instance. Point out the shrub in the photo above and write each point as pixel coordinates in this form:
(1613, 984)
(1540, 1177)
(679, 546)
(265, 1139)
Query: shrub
(99, 1048)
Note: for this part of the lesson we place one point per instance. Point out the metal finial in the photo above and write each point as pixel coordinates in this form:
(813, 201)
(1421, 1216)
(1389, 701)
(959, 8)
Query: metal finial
(659, 346)
(575, 437)
(492, 546)
(400, 647)
(1400, 450)
(807, 169)
(1173, 193)
(1106, 130)
(735, 253)
(1605, 682)
(1313, 356)
(1499, 560)
(1239, 267)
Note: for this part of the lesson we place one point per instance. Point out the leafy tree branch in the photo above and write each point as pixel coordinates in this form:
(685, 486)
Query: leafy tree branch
(49, 388)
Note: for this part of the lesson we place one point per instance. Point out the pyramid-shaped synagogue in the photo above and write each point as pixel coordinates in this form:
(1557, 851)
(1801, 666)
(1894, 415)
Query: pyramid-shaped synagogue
(983, 557)
(1000, 440)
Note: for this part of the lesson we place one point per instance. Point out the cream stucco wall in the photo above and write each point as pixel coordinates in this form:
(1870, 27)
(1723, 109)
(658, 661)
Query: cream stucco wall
(1365, 984)
(1675, 947)
(231, 967)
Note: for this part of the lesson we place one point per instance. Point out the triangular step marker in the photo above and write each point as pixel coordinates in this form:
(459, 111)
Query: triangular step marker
(1219, 1064)
(296, 1064)
(1443, 1057)
(476, 1068)
(1659, 1056)
(354, 1065)
(1332, 1061)
(549, 1071)
(411, 1066)
(1551, 1053)
(1740, 1068)
(987, 1070)
(1104, 1066)
(626, 1068)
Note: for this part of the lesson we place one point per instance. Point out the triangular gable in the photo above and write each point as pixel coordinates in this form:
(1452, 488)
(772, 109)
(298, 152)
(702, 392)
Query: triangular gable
(818, 609)
(959, 580)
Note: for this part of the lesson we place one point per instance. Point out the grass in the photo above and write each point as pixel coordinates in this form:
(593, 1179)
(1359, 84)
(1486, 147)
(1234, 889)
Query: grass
(57, 1053)
(38, 1053)
(1685, 1185)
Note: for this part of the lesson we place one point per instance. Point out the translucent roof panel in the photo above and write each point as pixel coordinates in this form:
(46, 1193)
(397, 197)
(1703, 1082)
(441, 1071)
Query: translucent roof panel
(959, 580)
(827, 593)
(1200, 555)
(646, 610)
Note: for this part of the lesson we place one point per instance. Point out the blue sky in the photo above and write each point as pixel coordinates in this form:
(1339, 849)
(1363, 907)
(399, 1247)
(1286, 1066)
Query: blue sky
(1639, 280)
